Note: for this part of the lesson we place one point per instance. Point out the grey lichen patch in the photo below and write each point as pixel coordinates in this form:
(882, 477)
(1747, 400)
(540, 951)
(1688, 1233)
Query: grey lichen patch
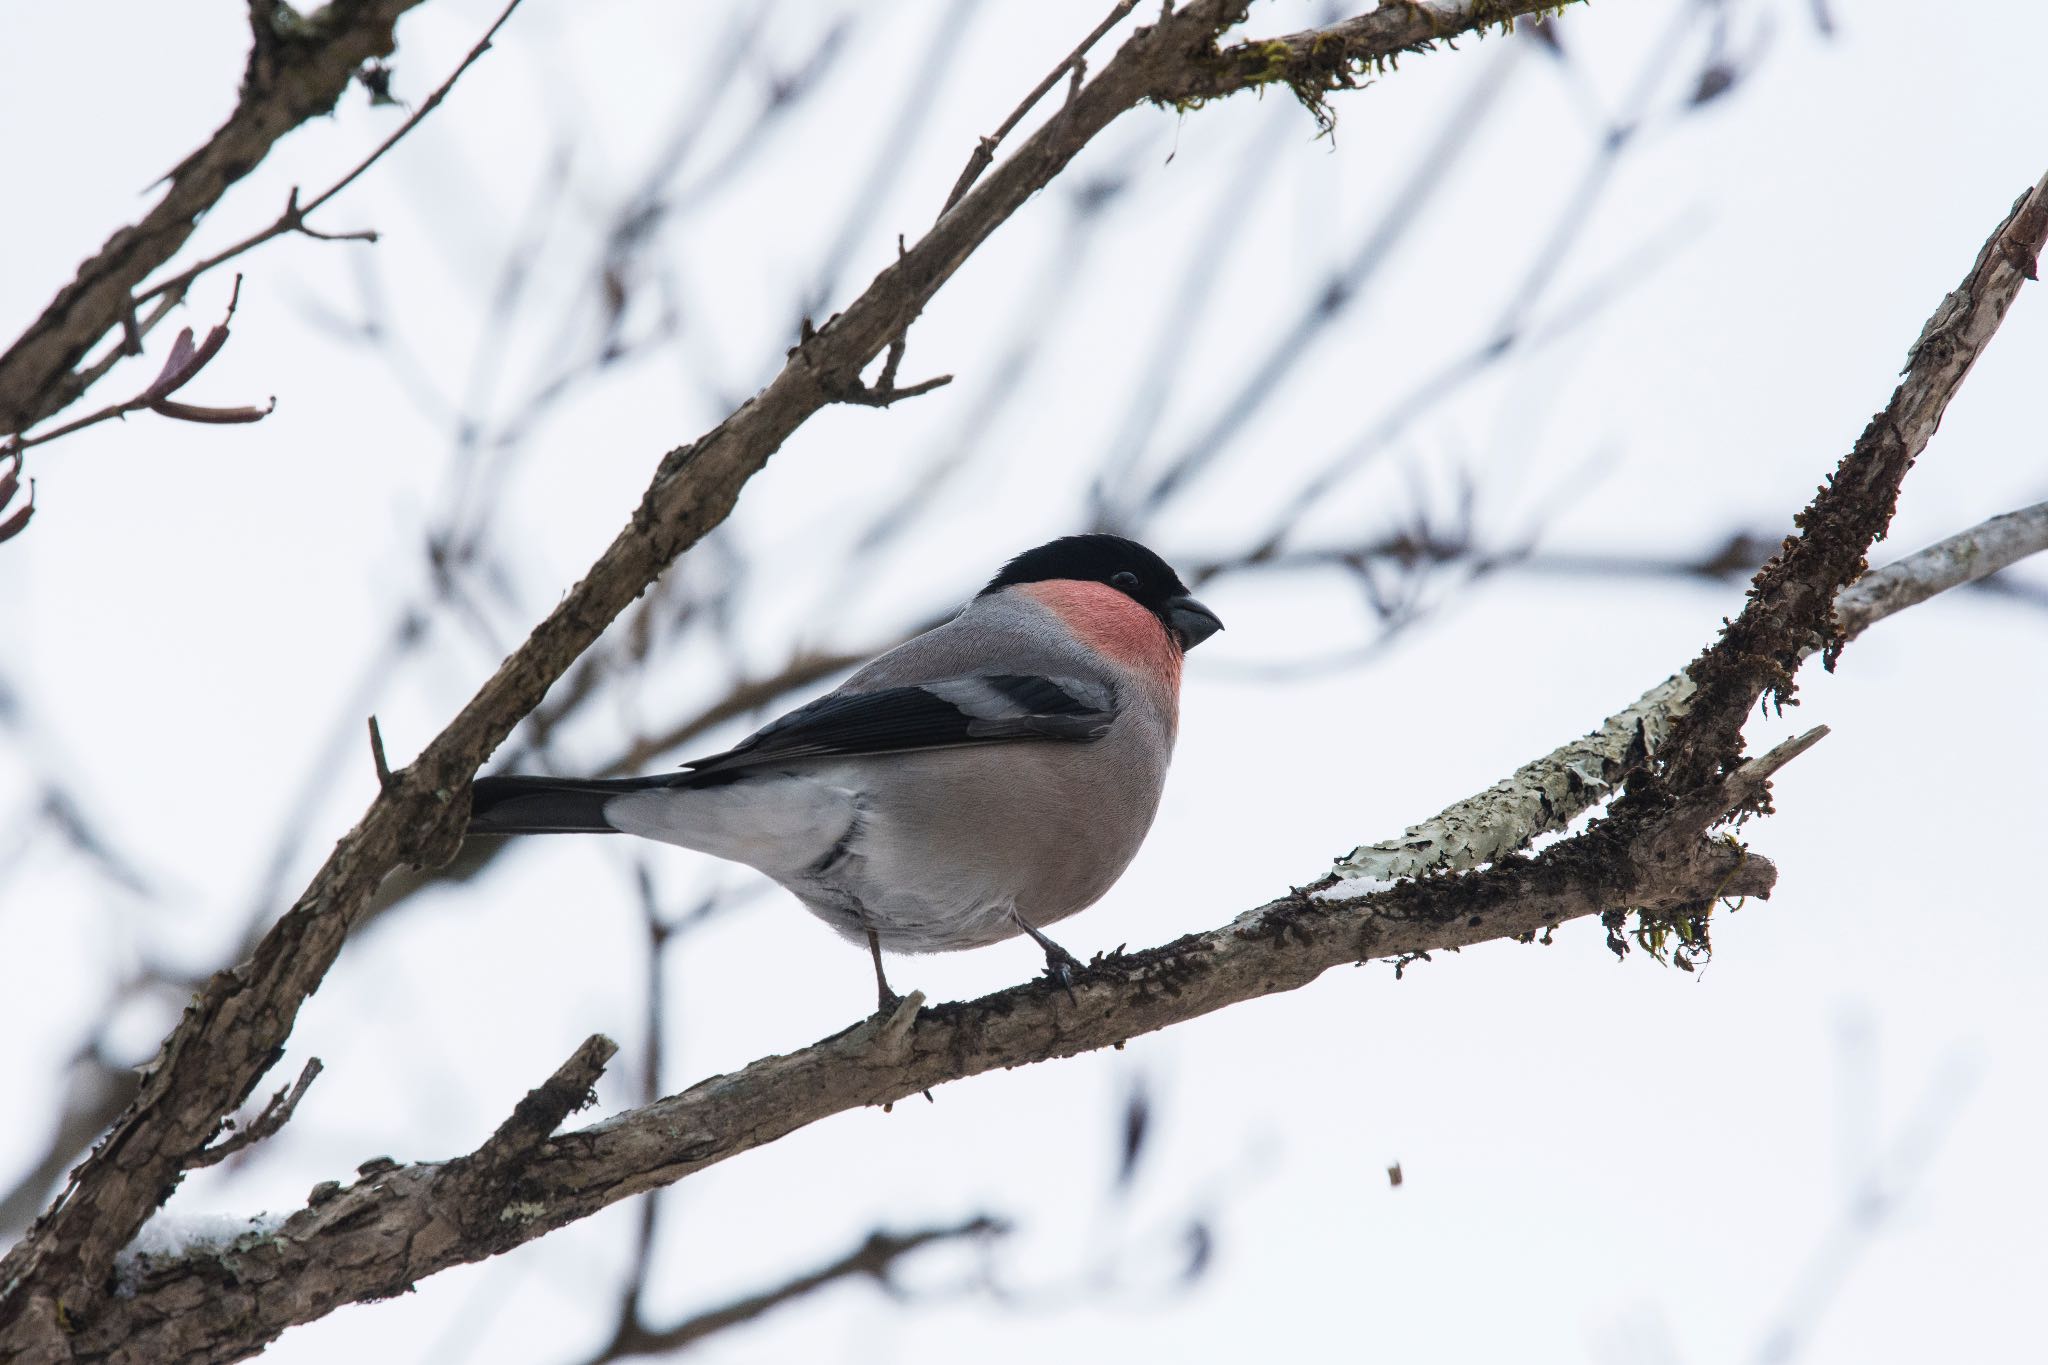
(1538, 798)
(522, 1211)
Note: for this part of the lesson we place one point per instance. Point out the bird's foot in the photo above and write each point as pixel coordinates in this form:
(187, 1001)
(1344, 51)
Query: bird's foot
(1061, 966)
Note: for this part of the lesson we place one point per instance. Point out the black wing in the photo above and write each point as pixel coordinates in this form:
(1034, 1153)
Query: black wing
(991, 709)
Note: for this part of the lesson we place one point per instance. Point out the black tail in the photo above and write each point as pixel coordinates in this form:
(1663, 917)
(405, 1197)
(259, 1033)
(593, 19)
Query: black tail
(548, 805)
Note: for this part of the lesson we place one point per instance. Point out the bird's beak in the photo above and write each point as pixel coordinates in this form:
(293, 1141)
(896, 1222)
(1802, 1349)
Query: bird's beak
(1190, 621)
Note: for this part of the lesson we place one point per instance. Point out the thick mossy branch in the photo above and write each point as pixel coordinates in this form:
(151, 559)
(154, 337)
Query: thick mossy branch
(1319, 62)
(1791, 606)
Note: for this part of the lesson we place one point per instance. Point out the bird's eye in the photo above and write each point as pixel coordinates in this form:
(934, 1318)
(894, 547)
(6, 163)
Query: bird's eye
(1124, 582)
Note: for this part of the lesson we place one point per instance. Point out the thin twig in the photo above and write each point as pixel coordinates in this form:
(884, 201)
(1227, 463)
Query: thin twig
(285, 84)
(275, 1115)
(179, 369)
(985, 150)
(377, 758)
(293, 219)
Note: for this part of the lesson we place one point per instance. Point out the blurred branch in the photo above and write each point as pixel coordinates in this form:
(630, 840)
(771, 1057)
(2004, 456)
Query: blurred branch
(892, 153)
(296, 71)
(753, 694)
(1512, 329)
(95, 1093)
(231, 1033)
(15, 522)
(1875, 1197)
(874, 1259)
(1264, 378)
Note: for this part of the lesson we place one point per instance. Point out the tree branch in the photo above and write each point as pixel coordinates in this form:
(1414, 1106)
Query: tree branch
(381, 1235)
(296, 71)
(1966, 557)
(275, 1115)
(1321, 61)
(232, 1032)
(1548, 793)
(180, 368)
(293, 217)
(985, 150)
(1791, 603)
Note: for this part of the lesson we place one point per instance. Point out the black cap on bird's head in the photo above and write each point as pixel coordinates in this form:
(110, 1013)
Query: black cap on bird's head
(1123, 564)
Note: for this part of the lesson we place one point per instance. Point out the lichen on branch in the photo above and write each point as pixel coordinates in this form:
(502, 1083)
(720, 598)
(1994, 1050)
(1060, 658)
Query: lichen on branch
(1318, 63)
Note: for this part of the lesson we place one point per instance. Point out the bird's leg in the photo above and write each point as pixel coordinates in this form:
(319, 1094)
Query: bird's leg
(1060, 964)
(887, 999)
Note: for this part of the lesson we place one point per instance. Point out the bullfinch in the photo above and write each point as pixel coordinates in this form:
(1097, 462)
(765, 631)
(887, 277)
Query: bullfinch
(982, 780)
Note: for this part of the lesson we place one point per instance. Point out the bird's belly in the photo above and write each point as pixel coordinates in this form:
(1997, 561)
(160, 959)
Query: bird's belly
(939, 875)
(909, 923)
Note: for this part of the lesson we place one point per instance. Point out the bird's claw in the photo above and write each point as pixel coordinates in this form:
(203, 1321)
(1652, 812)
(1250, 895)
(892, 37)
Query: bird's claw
(1061, 967)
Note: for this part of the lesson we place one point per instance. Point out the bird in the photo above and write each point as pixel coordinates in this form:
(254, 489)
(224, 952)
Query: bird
(980, 781)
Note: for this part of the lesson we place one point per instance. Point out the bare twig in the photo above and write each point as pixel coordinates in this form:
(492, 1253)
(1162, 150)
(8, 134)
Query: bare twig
(10, 483)
(377, 759)
(293, 218)
(985, 150)
(275, 1115)
(291, 77)
(534, 1119)
(180, 368)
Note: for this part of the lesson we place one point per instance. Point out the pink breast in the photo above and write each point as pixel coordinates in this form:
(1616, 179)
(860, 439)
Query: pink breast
(1116, 627)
